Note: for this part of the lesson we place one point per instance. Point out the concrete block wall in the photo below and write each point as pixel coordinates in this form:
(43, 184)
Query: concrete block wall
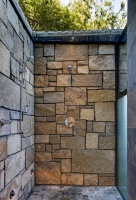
(17, 105)
(84, 154)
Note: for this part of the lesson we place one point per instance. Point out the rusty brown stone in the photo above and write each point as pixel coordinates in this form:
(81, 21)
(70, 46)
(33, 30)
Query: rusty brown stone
(54, 139)
(69, 142)
(63, 80)
(60, 108)
(42, 138)
(45, 128)
(43, 157)
(40, 65)
(54, 65)
(107, 181)
(64, 130)
(41, 81)
(66, 165)
(72, 179)
(62, 153)
(87, 114)
(44, 110)
(39, 147)
(91, 179)
(101, 95)
(54, 97)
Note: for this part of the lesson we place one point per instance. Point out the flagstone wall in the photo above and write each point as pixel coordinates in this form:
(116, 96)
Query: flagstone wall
(85, 153)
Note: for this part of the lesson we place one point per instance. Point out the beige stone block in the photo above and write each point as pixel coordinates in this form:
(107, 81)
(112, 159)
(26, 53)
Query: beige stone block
(13, 144)
(49, 89)
(38, 92)
(3, 148)
(54, 65)
(109, 80)
(75, 96)
(40, 119)
(42, 138)
(40, 65)
(66, 165)
(110, 128)
(52, 84)
(43, 157)
(54, 139)
(90, 179)
(105, 111)
(1, 180)
(39, 147)
(89, 127)
(18, 48)
(69, 63)
(60, 108)
(44, 110)
(30, 156)
(38, 52)
(83, 70)
(49, 50)
(107, 142)
(60, 89)
(91, 140)
(52, 78)
(82, 63)
(60, 119)
(87, 114)
(73, 111)
(51, 72)
(80, 128)
(3, 12)
(48, 148)
(98, 161)
(99, 127)
(63, 80)
(93, 49)
(71, 52)
(26, 176)
(54, 97)
(102, 62)
(14, 184)
(51, 119)
(64, 130)
(107, 49)
(38, 100)
(72, 179)
(107, 181)
(45, 128)
(62, 153)
(48, 173)
(69, 142)
(4, 60)
(1, 165)
(101, 95)
(87, 80)
(13, 165)
(41, 81)
(57, 147)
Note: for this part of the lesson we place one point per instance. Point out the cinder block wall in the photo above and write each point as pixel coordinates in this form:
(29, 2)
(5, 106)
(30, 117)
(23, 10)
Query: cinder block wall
(85, 154)
(16, 94)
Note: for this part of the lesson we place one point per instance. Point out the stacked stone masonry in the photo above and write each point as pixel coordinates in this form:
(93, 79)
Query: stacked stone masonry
(17, 105)
(84, 154)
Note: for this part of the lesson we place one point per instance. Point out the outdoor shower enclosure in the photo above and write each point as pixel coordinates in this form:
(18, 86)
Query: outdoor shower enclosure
(83, 154)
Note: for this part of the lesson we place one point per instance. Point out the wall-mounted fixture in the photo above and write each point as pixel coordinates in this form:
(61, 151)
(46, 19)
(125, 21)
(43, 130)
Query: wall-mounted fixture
(29, 59)
(70, 71)
(12, 194)
(3, 122)
(32, 172)
(70, 122)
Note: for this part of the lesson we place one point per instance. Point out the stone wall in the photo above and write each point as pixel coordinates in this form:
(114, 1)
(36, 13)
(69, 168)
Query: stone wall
(131, 91)
(17, 105)
(85, 153)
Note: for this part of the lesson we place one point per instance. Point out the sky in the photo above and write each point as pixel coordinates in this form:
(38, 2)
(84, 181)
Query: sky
(116, 8)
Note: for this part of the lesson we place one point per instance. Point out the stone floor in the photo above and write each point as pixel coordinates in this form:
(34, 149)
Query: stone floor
(75, 193)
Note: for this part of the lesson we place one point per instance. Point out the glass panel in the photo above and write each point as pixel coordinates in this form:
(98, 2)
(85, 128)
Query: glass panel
(122, 145)
(122, 67)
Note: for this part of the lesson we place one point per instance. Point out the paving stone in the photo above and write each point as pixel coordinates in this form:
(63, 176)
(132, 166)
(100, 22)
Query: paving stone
(71, 52)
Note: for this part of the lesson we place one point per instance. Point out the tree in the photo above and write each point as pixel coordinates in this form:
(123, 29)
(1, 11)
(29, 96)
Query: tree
(47, 15)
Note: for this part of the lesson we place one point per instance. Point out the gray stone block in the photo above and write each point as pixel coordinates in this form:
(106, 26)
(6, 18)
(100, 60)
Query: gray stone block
(4, 60)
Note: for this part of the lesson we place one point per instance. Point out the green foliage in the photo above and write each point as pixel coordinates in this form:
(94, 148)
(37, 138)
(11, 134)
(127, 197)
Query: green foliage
(47, 15)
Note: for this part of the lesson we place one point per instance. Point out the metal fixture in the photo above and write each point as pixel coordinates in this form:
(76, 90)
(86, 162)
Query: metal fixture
(70, 122)
(32, 172)
(29, 59)
(70, 68)
(12, 194)
(3, 122)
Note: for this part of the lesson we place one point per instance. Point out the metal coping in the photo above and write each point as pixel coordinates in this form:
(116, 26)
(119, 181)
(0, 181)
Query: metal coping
(71, 37)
